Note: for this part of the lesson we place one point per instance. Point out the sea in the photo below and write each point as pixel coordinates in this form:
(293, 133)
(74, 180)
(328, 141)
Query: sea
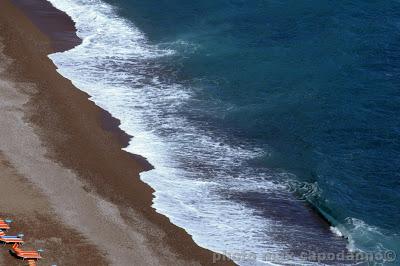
(273, 125)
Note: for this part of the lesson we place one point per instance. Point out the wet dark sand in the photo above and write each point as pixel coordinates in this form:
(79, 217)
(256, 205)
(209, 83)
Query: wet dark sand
(52, 22)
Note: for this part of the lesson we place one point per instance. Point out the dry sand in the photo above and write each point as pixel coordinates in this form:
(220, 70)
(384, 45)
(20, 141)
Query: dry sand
(22, 200)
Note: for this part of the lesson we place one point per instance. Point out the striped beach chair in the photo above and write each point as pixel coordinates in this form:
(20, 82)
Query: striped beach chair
(24, 254)
(4, 225)
(10, 239)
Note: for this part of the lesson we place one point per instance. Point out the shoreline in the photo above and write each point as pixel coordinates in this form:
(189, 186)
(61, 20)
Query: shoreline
(86, 143)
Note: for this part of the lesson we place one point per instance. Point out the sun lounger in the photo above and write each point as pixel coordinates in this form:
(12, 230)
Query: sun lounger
(24, 254)
(4, 225)
(10, 239)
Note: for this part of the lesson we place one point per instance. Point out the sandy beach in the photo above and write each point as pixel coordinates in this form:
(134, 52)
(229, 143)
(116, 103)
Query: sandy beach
(66, 182)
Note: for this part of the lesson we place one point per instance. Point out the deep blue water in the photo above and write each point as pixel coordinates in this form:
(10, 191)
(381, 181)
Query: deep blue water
(315, 84)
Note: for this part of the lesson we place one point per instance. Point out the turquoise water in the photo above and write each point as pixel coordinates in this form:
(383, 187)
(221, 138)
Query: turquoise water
(299, 95)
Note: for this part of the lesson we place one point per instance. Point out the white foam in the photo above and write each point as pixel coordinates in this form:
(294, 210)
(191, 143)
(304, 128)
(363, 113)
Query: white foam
(336, 231)
(363, 237)
(193, 169)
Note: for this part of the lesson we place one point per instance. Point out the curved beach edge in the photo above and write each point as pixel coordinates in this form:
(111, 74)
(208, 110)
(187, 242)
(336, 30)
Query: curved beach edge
(68, 152)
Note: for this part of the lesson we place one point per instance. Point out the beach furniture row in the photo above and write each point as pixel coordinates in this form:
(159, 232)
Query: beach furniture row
(31, 256)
